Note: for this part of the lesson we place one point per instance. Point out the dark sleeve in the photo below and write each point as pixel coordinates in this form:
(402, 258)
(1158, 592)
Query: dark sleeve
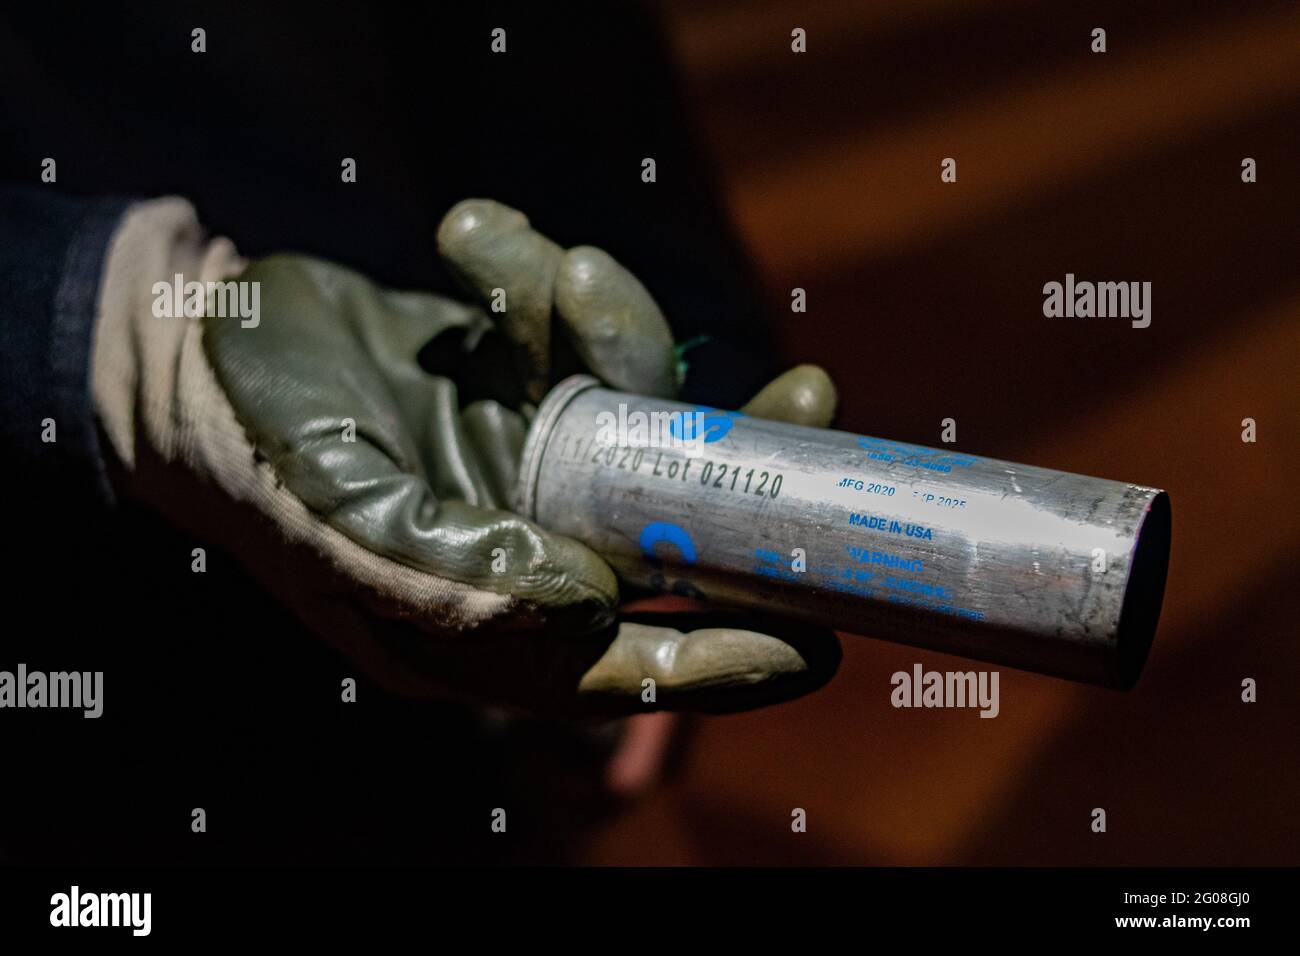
(52, 250)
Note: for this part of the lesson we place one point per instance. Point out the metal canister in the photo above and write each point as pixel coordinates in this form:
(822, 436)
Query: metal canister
(1017, 565)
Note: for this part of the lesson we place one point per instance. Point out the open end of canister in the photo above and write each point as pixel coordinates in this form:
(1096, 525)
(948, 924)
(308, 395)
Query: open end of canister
(1143, 594)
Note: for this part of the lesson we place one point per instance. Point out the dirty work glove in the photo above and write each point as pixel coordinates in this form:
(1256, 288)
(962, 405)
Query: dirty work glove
(357, 449)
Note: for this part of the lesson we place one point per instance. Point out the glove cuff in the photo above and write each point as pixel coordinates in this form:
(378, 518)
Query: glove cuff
(158, 248)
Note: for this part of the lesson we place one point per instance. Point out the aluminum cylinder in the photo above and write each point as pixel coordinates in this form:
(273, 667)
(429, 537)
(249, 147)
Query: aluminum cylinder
(1016, 565)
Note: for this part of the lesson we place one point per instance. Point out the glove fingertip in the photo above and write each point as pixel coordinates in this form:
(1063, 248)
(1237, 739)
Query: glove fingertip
(614, 323)
(804, 395)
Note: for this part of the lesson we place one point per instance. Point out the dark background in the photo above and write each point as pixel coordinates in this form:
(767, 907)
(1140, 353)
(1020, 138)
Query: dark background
(924, 302)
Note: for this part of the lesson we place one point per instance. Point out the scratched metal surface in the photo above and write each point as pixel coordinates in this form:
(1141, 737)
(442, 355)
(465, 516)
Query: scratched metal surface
(1009, 563)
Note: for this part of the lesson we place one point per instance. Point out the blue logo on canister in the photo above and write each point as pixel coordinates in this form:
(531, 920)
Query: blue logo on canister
(712, 422)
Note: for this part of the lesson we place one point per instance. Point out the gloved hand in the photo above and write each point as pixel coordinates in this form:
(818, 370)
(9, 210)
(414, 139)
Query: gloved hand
(371, 495)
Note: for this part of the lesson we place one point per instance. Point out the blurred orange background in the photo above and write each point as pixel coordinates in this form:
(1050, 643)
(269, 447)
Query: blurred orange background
(925, 302)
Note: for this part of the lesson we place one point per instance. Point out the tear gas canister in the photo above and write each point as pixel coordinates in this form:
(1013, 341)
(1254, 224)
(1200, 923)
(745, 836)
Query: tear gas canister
(1013, 564)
